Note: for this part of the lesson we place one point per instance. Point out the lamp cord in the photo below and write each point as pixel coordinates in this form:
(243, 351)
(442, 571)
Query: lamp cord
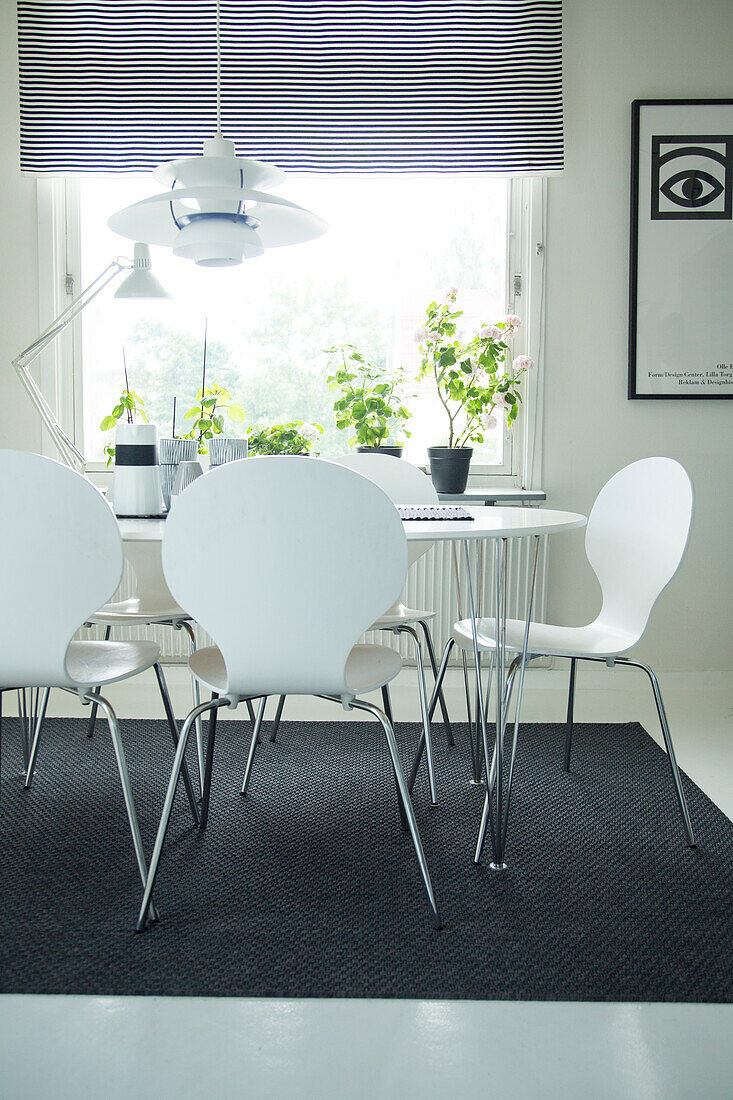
(218, 68)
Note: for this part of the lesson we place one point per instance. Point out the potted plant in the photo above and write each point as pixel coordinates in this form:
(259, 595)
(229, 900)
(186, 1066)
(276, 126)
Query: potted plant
(128, 406)
(293, 438)
(370, 401)
(136, 488)
(470, 384)
(213, 403)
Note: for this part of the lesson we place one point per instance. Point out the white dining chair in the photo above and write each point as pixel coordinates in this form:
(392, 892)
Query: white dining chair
(150, 605)
(286, 608)
(635, 539)
(404, 484)
(62, 558)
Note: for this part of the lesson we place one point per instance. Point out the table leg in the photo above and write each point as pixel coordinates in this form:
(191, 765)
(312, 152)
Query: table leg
(495, 814)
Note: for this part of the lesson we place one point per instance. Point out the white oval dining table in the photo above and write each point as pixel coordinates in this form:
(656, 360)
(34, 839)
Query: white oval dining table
(495, 525)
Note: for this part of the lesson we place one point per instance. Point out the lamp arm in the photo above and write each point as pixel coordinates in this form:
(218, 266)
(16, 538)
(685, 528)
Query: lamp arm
(70, 454)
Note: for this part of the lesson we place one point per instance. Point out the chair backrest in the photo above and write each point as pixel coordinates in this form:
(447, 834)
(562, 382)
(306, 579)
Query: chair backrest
(285, 561)
(400, 480)
(635, 539)
(60, 560)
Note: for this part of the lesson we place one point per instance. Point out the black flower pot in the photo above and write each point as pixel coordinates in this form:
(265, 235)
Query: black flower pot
(396, 452)
(449, 468)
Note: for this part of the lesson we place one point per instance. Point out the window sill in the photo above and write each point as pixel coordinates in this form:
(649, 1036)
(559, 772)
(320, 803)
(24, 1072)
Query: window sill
(495, 496)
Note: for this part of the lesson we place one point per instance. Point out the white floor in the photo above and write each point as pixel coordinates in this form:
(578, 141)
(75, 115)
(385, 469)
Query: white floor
(158, 1047)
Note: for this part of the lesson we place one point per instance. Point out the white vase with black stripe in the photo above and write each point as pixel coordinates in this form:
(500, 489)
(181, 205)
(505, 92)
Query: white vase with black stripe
(137, 489)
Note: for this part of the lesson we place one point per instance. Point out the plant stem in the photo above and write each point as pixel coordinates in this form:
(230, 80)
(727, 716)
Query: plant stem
(127, 384)
(173, 431)
(443, 403)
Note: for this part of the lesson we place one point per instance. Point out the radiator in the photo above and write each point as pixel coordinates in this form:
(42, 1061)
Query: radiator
(431, 586)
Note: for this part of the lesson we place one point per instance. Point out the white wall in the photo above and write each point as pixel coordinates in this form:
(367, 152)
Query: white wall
(18, 251)
(615, 51)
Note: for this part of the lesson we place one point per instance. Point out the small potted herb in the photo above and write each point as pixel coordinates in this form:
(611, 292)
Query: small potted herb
(213, 403)
(371, 402)
(136, 490)
(470, 384)
(124, 412)
(294, 438)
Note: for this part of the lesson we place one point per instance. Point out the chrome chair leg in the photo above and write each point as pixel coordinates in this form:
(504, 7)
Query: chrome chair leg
(210, 738)
(434, 665)
(23, 716)
(684, 811)
(404, 794)
(253, 745)
(36, 738)
(405, 629)
(467, 687)
(114, 729)
(278, 716)
(431, 710)
(569, 719)
(184, 624)
(145, 906)
(387, 702)
(387, 707)
(93, 713)
(192, 800)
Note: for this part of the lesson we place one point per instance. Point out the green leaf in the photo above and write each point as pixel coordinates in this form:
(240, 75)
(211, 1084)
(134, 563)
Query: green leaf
(237, 414)
(108, 422)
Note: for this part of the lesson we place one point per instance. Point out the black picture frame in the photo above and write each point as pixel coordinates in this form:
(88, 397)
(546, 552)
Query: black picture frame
(724, 213)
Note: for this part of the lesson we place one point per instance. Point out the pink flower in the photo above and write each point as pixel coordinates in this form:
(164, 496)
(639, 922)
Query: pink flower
(491, 423)
(499, 401)
(513, 322)
(451, 294)
(421, 335)
(523, 362)
(491, 332)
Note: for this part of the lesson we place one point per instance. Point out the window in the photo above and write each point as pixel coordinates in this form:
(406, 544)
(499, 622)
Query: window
(394, 243)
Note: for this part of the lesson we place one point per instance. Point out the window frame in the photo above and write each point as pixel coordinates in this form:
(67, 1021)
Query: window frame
(59, 262)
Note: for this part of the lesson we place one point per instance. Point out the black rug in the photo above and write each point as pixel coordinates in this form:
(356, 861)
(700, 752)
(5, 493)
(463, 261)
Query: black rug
(309, 887)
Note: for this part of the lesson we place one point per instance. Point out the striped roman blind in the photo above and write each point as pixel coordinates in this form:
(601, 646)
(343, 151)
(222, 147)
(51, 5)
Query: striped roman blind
(373, 86)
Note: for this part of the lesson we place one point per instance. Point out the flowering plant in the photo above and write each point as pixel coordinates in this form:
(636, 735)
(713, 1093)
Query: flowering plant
(468, 379)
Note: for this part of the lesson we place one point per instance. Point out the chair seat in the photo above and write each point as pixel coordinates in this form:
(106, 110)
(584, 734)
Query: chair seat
(137, 612)
(594, 640)
(99, 663)
(401, 615)
(368, 667)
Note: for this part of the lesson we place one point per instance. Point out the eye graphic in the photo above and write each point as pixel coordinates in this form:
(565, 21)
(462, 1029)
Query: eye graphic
(692, 177)
(692, 188)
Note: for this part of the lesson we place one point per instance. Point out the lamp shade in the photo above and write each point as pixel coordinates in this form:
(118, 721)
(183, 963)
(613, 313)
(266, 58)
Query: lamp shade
(219, 167)
(214, 213)
(141, 283)
(160, 218)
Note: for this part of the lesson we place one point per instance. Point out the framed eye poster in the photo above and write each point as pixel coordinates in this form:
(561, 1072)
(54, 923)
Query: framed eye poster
(681, 256)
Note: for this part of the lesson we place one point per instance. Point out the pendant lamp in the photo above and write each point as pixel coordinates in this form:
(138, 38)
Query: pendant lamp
(216, 212)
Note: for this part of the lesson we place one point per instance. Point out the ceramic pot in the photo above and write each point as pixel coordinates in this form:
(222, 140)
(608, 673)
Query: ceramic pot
(449, 468)
(396, 452)
(187, 472)
(223, 450)
(136, 484)
(172, 452)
